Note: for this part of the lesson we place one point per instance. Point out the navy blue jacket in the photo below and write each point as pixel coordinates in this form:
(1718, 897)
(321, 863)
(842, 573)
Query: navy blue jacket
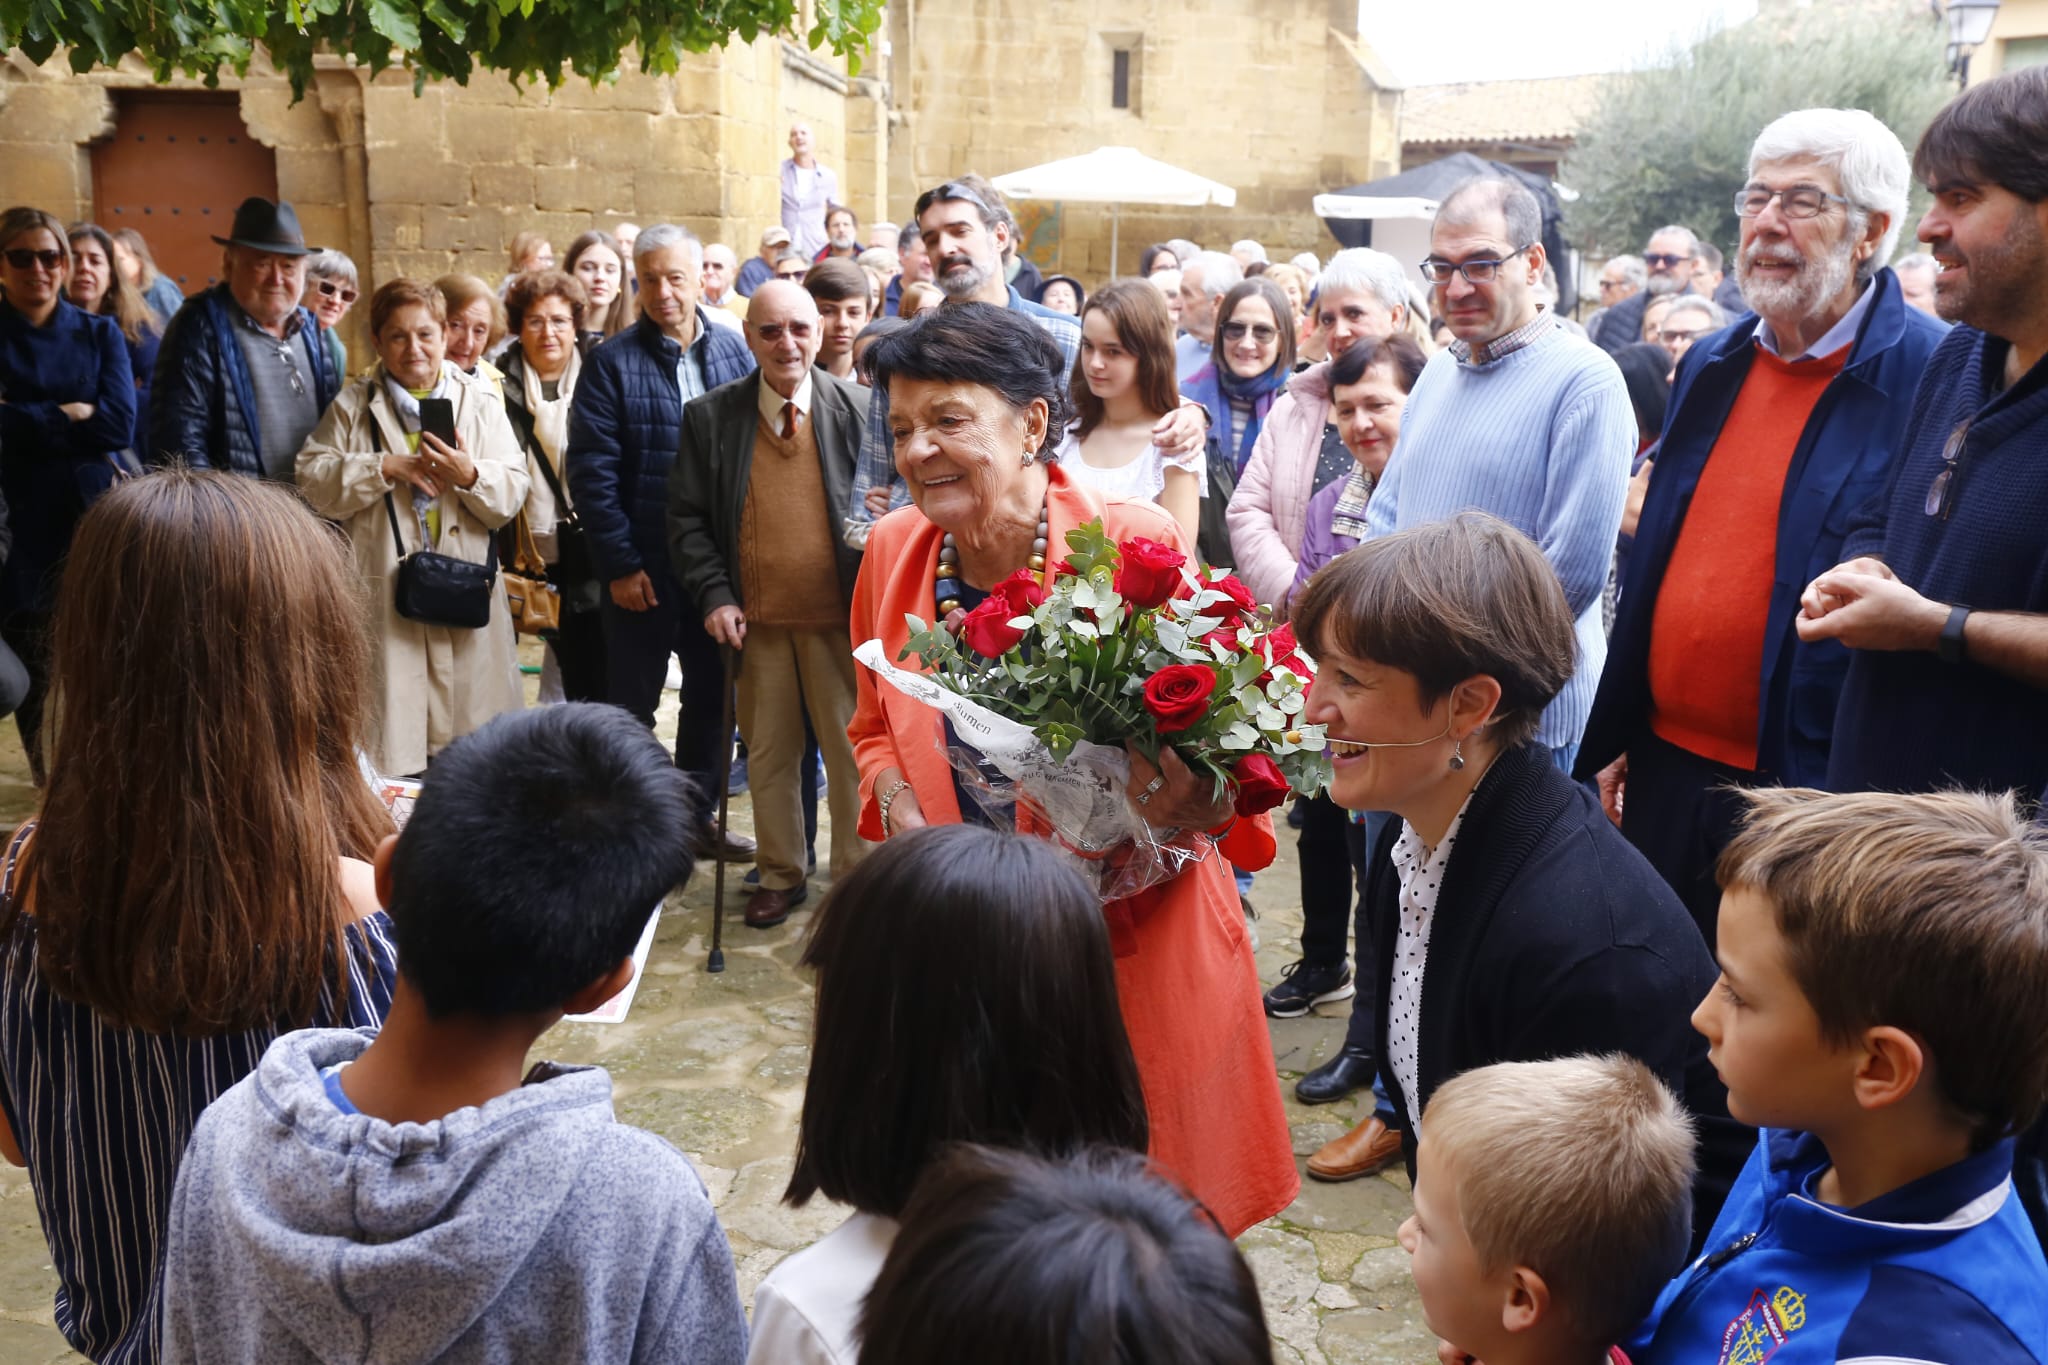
(1553, 936)
(51, 468)
(625, 427)
(1908, 721)
(1844, 459)
(1941, 1271)
(202, 407)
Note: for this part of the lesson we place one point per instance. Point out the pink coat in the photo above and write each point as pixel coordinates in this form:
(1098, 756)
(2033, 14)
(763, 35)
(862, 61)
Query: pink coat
(1270, 508)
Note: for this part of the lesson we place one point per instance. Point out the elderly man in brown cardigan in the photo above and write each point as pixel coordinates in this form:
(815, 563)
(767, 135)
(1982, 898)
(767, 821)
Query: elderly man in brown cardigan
(755, 498)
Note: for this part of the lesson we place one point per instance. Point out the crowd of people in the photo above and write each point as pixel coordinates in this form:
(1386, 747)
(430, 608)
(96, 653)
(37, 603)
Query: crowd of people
(1680, 673)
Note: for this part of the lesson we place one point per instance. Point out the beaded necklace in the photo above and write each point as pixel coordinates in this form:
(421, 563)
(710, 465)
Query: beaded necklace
(947, 585)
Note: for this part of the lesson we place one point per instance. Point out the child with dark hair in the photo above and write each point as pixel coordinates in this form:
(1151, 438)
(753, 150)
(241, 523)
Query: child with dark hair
(966, 993)
(1011, 1259)
(407, 1195)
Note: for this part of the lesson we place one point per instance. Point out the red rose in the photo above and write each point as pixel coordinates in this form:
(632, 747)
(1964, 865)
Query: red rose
(1150, 573)
(1259, 783)
(1022, 591)
(1178, 695)
(1239, 599)
(1284, 652)
(1225, 635)
(987, 629)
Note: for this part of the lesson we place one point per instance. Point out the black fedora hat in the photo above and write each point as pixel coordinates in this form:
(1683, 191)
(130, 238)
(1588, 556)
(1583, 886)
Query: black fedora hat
(264, 226)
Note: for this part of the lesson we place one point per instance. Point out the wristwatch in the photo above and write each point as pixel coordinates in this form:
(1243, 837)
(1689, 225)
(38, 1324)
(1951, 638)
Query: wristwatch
(1949, 649)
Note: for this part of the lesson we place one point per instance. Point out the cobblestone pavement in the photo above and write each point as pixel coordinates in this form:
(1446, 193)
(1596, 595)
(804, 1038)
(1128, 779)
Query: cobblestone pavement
(716, 1064)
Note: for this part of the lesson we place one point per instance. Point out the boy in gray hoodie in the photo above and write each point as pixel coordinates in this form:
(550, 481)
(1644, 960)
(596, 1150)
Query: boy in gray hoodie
(406, 1195)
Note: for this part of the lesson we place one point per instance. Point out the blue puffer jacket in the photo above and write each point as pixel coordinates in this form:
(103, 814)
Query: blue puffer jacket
(202, 409)
(625, 427)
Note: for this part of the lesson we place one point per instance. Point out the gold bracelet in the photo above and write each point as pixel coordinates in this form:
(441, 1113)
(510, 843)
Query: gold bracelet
(886, 799)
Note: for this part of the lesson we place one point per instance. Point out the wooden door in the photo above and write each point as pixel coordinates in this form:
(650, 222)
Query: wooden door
(174, 170)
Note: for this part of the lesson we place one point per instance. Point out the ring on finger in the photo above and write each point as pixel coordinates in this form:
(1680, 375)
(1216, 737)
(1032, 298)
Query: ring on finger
(1151, 790)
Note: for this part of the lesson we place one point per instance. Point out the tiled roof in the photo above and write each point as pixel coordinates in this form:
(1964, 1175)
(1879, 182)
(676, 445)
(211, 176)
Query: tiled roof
(1546, 110)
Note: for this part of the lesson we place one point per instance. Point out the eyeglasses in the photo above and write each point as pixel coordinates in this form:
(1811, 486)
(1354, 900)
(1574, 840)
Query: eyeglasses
(1258, 331)
(22, 257)
(287, 353)
(1939, 491)
(1653, 259)
(1613, 284)
(1796, 201)
(1475, 272)
(537, 322)
(1671, 338)
(336, 291)
(773, 332)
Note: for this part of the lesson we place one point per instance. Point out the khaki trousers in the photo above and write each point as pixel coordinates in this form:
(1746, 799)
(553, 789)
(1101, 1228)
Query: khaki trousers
(784, 674)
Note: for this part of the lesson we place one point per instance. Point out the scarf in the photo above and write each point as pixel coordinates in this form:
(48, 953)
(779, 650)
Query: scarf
(1214, 386)
(1348, 517)
(551, 434)
(426, 511)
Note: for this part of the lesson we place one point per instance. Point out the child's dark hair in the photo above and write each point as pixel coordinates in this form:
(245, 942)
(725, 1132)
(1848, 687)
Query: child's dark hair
(540, 844)
(966, 993)
(1011, 1259)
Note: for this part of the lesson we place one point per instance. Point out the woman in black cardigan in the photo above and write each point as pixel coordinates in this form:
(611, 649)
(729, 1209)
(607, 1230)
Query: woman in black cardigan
(1510, 919)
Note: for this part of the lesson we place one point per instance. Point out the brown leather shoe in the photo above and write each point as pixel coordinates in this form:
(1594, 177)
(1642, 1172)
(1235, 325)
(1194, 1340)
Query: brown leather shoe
(1369, 1147)
(716, 842)
(767, 908)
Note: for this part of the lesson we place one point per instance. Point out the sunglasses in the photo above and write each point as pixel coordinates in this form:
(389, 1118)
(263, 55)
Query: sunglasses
(336, 291)
(1259, 332)
(1657, 258)
(1940, 491)
(22, 257)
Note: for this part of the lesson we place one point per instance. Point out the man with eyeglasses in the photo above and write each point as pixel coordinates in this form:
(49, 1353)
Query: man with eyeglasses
(1517, 417)
(242, 377)
(1621, 278)
(1942, 598)
(755, 503)
(966, 228)
(1668, 264)
(1778, 430)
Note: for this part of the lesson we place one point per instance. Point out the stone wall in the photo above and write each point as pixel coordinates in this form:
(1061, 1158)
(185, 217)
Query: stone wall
(1267, 98)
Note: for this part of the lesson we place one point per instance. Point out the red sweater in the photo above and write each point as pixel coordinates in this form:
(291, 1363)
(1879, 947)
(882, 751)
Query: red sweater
(1707, 634)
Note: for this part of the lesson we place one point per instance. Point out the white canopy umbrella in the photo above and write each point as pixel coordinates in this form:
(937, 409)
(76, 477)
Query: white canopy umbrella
(1115, 176)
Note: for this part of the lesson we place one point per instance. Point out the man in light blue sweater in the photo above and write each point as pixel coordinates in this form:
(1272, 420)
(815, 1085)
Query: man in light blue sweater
(1518, 417)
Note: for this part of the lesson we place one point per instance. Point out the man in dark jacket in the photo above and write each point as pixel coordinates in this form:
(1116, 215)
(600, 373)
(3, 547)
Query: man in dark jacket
(1669, 261)
(1780, 428)
(625, 427)
(241, 378)
(755, 503)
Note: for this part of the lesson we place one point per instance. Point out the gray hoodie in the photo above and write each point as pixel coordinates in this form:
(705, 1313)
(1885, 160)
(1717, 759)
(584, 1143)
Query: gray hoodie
(536, 1227)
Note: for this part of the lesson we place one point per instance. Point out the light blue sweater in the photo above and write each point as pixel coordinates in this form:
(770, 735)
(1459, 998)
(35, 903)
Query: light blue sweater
(1541, 438)
(537, 1227)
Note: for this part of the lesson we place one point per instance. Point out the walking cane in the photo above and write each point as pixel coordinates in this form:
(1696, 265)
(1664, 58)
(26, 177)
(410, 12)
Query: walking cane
(728, 659)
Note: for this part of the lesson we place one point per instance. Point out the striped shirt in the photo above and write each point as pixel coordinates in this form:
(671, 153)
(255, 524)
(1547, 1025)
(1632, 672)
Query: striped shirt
(103, 1113)
(1542, 438)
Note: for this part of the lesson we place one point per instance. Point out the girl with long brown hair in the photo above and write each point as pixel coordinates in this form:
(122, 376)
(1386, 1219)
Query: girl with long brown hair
(605, 271)
(1123, 387)
(194, 883)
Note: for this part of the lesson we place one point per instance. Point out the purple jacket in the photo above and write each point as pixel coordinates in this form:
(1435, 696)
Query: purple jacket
(1320, 544)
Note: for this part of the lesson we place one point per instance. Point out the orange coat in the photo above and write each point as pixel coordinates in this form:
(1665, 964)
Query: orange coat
(1184, 970)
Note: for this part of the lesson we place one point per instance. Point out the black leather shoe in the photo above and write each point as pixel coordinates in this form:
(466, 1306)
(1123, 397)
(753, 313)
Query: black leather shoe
(1344, 1073)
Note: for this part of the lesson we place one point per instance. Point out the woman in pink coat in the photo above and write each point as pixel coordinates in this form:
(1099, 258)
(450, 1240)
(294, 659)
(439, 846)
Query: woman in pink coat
(1361, 293)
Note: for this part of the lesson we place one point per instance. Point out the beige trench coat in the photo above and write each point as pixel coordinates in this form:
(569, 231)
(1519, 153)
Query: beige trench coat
(429, 685)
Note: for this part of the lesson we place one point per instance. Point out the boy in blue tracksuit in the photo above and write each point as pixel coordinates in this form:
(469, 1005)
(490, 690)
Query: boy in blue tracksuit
(1882, 1015)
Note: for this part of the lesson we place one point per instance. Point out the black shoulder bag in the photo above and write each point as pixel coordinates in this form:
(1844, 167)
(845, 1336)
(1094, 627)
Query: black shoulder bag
(432, 588)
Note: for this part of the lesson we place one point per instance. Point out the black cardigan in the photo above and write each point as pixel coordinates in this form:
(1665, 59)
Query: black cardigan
(1552, 936)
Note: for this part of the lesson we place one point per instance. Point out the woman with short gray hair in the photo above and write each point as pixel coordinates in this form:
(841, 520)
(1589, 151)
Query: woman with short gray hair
(330, 289)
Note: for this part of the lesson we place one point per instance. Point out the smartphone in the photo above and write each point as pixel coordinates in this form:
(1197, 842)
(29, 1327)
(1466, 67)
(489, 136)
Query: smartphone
(437, 418)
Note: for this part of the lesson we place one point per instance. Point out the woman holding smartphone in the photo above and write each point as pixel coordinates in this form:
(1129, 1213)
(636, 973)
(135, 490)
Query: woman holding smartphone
(417, 456)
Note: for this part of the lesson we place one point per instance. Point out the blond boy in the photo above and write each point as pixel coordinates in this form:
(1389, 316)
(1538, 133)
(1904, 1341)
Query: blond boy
(1882, 1015)
(1552, 1201)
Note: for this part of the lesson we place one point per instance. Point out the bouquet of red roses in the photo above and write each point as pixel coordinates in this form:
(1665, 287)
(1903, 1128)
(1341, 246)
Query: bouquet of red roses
(1044, 682)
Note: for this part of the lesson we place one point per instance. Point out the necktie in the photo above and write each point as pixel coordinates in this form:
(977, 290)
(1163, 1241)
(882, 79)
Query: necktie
(788, 421)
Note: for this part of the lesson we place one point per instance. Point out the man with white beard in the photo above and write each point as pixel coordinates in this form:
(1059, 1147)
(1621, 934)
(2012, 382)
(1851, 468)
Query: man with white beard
(1779, 428)
(1669, 260)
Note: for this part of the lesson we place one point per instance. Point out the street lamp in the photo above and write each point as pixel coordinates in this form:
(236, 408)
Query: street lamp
(1969, 24)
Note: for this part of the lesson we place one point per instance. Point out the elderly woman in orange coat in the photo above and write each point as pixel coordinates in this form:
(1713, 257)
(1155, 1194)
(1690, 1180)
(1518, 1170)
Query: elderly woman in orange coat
(977, 401)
